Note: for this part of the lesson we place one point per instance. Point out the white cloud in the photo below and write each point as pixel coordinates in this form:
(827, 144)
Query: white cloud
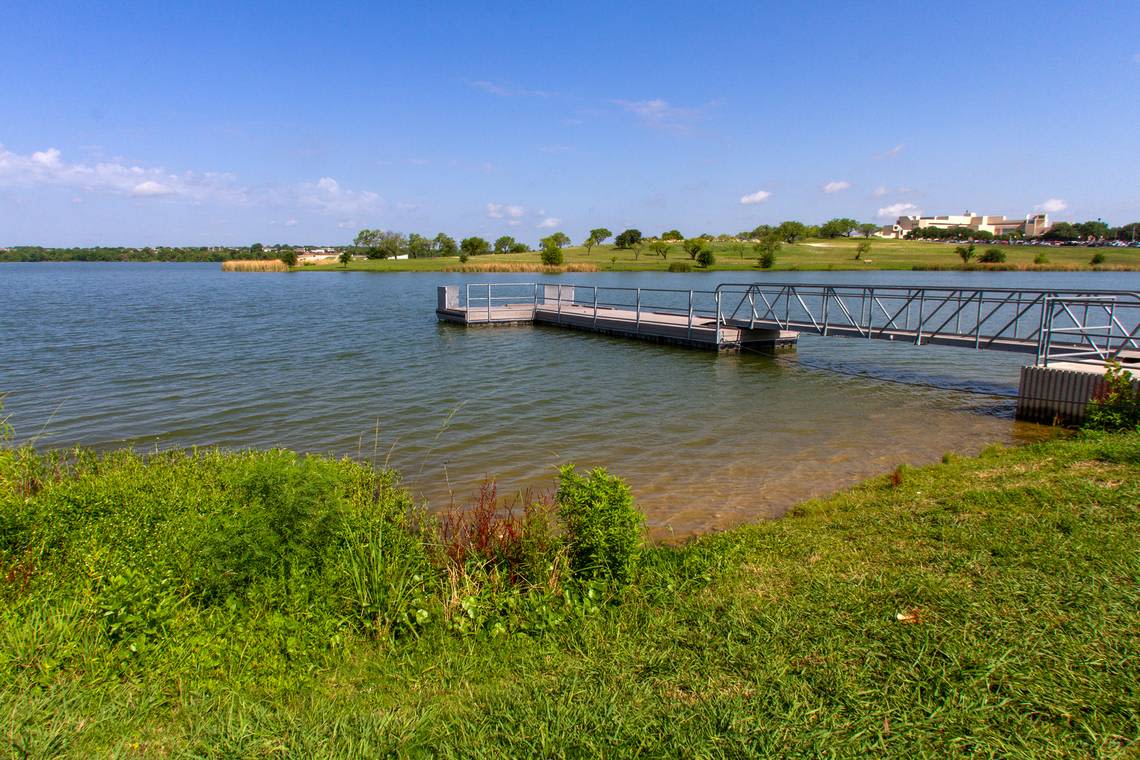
(879, 192)
(327, 195)
(47, 168)
(549, 222)
(500, 210)
(890, 152)
(554, 148)
(49, 157)
(150, 187)
(118, 177)
(753, 198)
(898, 209)
(1052, 206)
(290, 222)
(836, 186)
(508, 91)
(660, 114)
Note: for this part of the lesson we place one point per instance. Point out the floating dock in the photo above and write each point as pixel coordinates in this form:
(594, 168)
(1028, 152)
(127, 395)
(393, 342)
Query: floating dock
(565, 306)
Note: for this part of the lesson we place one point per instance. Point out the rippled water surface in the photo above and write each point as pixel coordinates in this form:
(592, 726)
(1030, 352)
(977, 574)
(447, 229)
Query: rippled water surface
(158, 355)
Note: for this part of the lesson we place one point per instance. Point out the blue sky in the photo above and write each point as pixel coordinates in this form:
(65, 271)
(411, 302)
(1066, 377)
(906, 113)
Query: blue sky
(194, 123)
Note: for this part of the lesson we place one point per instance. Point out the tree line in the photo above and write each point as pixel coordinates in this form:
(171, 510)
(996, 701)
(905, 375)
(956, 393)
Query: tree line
(157, 253)
(382, 244)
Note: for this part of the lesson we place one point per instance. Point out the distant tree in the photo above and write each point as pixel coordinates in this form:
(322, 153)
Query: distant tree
(673, 235)
(366, 238)
(551, 255)
(627, 239)
(474, 246)
(867, 229)
(257, 249)
(767, 249)
(1128, 232)
(390, 245)
(419, 247)
(862, 249)
(833, 228)
(762, 231)
(289, 256)
(444, 245)
(519, 247)
(504, 243)
(596, 237)
(661, 248)
(790, 232)
(345, 257)
(1094, 230)
(557, 239)
(965, 252)
(694, 246)
(706, 258)
(1062, 231)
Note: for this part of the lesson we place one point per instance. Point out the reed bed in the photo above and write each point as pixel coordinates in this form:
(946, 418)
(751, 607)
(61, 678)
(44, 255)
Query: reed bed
(522, 267)
(238, 265)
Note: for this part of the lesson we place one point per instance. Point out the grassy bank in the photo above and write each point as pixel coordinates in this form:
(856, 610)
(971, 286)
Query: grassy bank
(836, 254)
(200, 603)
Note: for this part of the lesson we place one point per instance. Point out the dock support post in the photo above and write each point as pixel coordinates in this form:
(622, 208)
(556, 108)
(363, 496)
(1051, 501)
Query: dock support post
(637, 311)
(717, 296)
(689, 333)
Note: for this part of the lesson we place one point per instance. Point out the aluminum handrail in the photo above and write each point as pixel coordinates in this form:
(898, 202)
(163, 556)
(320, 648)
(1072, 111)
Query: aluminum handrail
(951, 314)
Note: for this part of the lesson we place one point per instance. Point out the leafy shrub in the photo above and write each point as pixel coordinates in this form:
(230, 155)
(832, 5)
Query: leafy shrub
(694, 247)
(1117, 406)
(552, 256)
(463, 258)
(1098, 258)
(862, 249)
(706, 258)
(992, 256)
(965, 252)
(1041, 258)
(680, 266)
(284, 513)
(603, 530)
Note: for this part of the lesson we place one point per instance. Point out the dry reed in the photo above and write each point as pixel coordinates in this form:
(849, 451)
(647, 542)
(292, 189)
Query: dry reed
(240, 265)
(522, 267)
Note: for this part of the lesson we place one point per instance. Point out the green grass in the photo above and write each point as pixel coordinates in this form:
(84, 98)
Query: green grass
(1015, 575)
(808, 255)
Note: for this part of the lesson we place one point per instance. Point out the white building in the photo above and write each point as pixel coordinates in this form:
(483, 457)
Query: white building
(1033, 225)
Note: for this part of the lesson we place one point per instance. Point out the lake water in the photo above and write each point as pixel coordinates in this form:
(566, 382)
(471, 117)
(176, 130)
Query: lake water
(161, 355)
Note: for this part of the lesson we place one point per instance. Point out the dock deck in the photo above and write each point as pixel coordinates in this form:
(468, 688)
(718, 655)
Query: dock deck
(558, 306)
